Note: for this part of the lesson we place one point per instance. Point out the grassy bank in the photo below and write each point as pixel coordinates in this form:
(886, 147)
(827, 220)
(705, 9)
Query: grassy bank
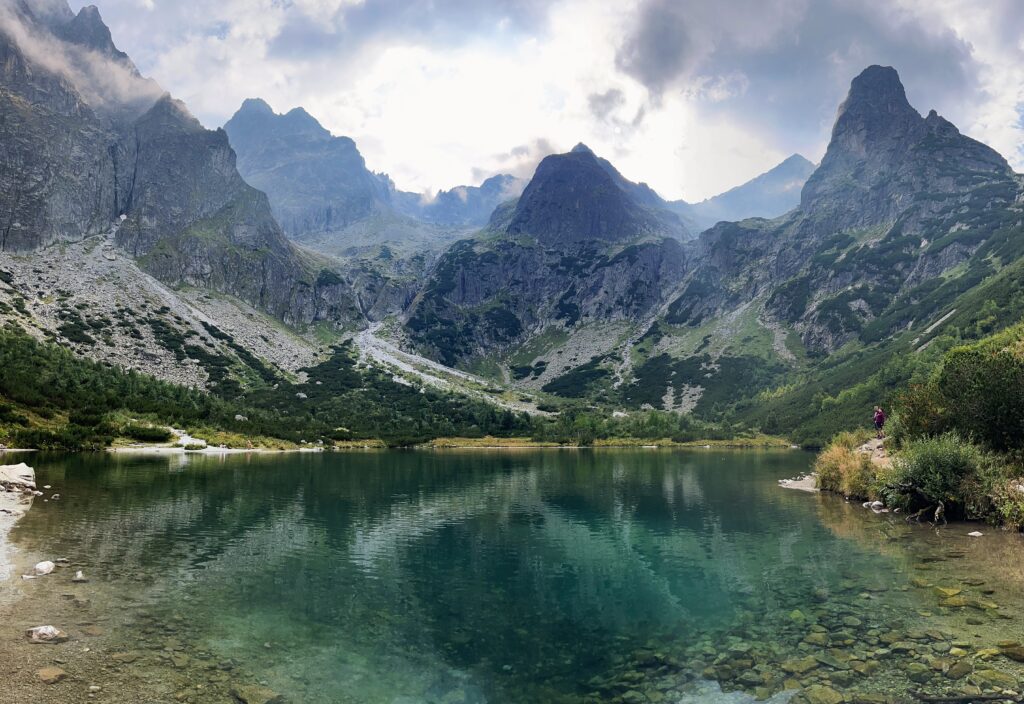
(955, 445)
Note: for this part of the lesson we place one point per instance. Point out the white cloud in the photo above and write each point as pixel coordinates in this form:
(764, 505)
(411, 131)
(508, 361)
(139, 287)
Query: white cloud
(442, 101)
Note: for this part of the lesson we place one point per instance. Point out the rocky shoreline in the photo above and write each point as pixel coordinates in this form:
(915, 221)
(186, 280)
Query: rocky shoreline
(17, 490)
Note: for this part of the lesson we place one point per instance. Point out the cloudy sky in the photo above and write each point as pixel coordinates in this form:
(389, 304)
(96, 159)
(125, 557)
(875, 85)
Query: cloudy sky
(692, 96)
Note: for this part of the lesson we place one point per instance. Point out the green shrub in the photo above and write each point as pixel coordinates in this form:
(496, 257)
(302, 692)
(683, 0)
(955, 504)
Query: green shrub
(937, 467)
(843, 469)
(1008, 500)
(896, 434)
(146, 433)
(983, 390)
(922, 413)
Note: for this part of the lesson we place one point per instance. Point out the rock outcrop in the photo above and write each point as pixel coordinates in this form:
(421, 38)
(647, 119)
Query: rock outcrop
(579, 246)
(898, 201)
(80, 158)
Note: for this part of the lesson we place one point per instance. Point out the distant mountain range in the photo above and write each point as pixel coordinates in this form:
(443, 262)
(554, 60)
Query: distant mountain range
(769, 195)
(323, 194)
(579, 283)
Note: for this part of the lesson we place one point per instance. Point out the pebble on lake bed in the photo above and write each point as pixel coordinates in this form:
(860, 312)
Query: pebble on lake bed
(46, 635)
(51, 675)
(41, 569)
(975, 534)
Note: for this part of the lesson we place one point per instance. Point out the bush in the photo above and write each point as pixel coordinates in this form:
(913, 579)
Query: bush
(896, 433)
(982, 389)
(921, 412)
(939, 468)
(146, 433)
(852, 439)
(843, 469)
(1008, 500)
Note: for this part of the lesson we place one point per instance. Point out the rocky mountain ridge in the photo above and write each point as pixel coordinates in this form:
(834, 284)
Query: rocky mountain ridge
(903, 215)
(324, 195)
(78, 161)
(578, 246)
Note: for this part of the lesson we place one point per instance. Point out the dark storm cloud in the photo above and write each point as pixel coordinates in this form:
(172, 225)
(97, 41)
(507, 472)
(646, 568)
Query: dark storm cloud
(797, 58)
(659, 49)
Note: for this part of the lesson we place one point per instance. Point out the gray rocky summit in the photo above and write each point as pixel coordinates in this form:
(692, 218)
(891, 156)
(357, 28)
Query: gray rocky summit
(80, 161)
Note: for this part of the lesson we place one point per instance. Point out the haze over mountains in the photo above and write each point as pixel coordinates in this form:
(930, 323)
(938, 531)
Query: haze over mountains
(323, 194)
(579, 283)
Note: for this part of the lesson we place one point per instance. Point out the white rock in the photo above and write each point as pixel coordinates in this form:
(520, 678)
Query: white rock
(46, 634)
(79, 577)
(877, 505)
(43, 568)
(975, 534)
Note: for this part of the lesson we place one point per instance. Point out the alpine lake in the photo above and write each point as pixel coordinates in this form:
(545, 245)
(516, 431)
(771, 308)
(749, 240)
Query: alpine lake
(472, 576)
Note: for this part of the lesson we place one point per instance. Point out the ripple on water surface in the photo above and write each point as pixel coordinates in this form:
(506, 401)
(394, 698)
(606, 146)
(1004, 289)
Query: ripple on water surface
(629, 576)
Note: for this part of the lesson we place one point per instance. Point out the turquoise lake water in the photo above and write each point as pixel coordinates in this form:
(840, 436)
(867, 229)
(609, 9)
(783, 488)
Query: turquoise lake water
(471, 576)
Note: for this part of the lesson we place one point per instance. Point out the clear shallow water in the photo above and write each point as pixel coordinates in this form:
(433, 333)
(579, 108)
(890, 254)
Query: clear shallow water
(471, 576)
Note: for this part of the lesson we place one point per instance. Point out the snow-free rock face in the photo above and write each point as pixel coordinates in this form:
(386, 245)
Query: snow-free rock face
(462, 206)
(78, 159)
(575, 198)
(773, 193)
(897, 201)
(316, 182)
(883, 156)
(579, 246)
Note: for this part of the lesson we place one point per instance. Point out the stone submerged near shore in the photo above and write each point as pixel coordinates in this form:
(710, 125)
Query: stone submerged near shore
(17, 490)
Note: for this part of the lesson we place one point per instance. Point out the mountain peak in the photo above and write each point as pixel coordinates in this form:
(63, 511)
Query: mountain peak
(875, 108)
(257, 106)
(171, 115)
(88, 29)
(883, 153)
(577, 197)
(878, 82)
(582, 148)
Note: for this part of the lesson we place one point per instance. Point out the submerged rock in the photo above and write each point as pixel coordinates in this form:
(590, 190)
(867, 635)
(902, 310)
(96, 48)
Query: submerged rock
(51, 675)
(43, 568)
(993, 679)
(255, 695)
(46, 635)
(819, 694)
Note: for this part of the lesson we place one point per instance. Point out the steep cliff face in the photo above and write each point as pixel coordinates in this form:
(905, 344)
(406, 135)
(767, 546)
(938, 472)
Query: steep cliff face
(56, 179)
(883, 158)
(576, 197)
(81, 159)
(898, 203)
(317, 183)
(577, 247)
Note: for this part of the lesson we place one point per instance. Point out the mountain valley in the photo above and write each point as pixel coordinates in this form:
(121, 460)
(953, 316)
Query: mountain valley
(234, 257)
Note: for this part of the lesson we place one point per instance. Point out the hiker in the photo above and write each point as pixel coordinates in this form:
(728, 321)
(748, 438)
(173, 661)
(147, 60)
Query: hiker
(879, 422)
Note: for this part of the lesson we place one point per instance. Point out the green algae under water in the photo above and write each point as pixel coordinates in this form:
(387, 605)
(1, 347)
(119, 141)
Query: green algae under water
(509, 576)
